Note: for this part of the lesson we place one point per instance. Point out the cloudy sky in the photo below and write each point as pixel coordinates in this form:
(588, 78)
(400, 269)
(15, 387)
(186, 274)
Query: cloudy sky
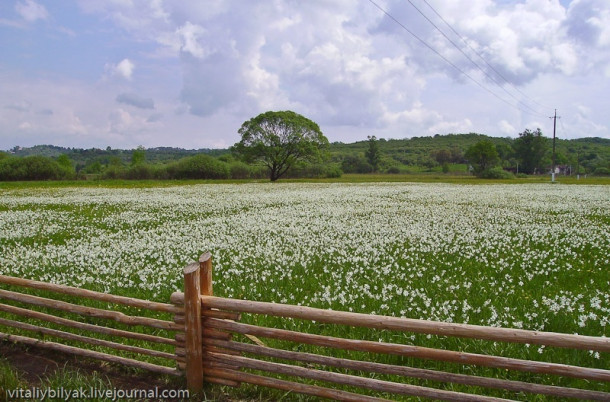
(124, 73)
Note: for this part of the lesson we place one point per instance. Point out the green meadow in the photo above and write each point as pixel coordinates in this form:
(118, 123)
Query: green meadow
(518, 254)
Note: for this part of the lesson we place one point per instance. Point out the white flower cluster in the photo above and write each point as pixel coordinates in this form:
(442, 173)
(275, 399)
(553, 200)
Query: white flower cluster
(526, 256)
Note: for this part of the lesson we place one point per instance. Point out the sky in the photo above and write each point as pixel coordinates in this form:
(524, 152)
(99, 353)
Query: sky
(124, 73)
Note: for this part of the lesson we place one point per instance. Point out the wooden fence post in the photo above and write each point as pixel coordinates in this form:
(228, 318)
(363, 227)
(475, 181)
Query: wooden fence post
(192, 316)
(205, 265)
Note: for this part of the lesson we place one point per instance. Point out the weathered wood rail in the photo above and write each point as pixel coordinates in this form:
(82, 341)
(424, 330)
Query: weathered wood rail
(44, 318)
(206, 349)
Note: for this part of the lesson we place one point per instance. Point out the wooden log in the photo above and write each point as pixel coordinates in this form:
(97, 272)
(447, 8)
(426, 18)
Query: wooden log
(90, 311)
(290, 386)
(177, 298)
(193, 344)
(205, 272)
(85, 339)
(205, 313)
(345, 379)
(179, 319)
(84, 326)
(90, 353)
(215, 334)
(222, 381)
(516, 386)
(412, 325)
(416, 351)
(89, 294)
(223, 315)
(211, 363)
(180, 338)
(209, 347)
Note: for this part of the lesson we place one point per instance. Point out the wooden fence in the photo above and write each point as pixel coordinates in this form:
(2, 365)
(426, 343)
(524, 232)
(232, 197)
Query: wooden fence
(205, 348)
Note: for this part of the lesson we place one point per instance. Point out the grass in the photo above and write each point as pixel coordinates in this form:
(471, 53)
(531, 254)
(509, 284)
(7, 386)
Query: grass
(428, 177)
(9, 379)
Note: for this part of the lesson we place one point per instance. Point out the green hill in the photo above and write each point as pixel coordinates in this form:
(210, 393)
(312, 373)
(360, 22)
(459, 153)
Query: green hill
(414, 154)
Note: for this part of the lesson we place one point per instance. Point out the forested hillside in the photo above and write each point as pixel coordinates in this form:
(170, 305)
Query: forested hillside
(439, 153)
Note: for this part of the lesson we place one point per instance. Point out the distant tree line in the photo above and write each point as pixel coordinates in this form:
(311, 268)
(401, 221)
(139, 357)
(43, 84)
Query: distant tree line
(288, 145)
(201, 166)
(528, 154)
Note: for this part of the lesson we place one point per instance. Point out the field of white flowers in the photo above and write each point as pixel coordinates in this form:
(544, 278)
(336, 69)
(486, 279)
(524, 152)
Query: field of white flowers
(533, 256)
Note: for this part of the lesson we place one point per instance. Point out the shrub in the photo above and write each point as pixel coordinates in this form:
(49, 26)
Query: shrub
(140, 171)
(239, 170)
(355, 164)
(201, 167)
(66, 167)
(601, 171)
(333, 171)
(30, 168)
(393, 170)
(496, 173)
(114, 172)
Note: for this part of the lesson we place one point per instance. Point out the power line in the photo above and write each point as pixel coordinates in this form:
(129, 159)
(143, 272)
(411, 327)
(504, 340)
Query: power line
(481, 56)
(468, 57)
(445, 59)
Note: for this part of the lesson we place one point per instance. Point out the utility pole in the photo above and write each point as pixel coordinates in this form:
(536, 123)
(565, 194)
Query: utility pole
(577, 163)
(554, 129)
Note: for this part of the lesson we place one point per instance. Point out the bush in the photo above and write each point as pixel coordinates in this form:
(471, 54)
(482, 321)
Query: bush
(521, 176)
(259, 172)
(601, 171)
(496, 173)
(114, 172)
(355, 164)
(30, 168)
(314, 170)
(139, 172)
(239, 170)
(200, 167)
(393, 170)
(333, 171)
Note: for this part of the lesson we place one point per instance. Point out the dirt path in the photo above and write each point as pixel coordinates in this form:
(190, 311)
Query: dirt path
(33, 363)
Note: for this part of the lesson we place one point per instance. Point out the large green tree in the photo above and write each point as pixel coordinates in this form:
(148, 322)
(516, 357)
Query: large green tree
(530, 149)
(482, 156)
(280, 139)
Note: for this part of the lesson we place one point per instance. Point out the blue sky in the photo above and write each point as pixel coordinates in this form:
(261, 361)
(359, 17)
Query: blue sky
(124, 73)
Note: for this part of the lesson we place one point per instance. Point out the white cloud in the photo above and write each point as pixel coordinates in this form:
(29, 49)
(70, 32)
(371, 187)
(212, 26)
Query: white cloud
(190, 36)
(507, 128)
(31, 11)
(125, 68)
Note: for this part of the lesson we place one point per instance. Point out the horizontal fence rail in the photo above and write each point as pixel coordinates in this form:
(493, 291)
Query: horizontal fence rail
(90, 294)
(84, 330)
(410, 325)
(424, 374)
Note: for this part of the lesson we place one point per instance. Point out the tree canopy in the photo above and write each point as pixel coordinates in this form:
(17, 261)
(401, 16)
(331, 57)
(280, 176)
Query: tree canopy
(482, 156)
(279, 140)
(372, 153)
(530, 149)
